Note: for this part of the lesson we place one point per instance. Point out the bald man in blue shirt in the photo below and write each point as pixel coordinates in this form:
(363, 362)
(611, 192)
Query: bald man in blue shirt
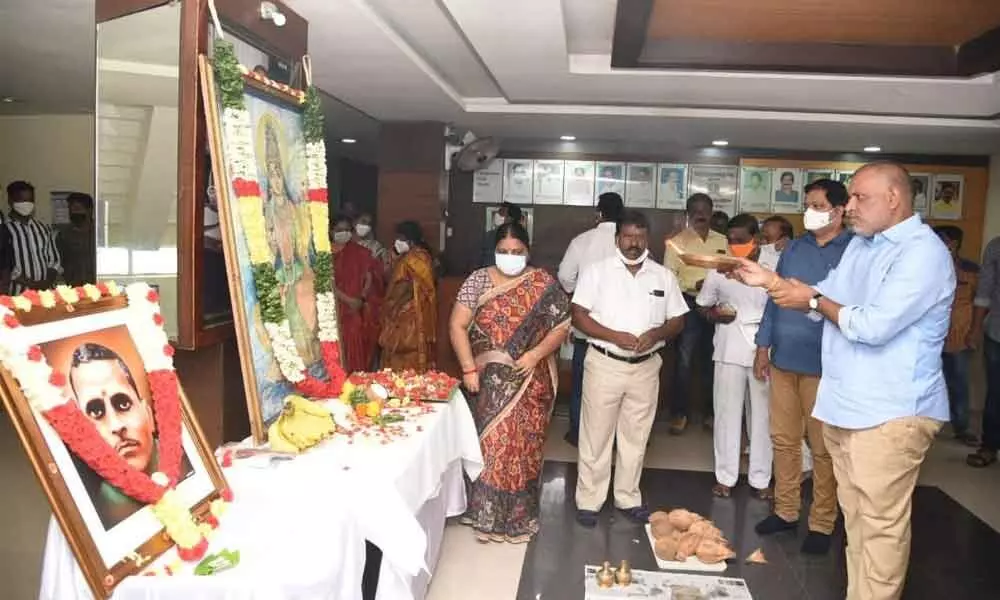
(882, 396)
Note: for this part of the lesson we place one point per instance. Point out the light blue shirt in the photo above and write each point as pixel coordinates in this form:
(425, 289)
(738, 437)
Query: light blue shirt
(883, 361)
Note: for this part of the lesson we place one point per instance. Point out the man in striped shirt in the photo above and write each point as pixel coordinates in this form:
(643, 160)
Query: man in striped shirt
(34, 257)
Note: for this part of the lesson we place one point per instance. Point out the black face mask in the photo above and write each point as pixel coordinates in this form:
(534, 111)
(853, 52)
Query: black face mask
(77, 218)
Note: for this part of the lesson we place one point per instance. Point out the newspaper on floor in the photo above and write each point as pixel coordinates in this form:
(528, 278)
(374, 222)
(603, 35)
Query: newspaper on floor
(666, 585)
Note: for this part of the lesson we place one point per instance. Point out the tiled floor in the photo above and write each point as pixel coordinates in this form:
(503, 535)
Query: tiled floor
(949, 563)
(954, 548)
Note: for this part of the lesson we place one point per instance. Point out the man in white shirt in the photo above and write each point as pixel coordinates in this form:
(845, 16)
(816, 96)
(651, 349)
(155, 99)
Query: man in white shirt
(629, 307)
(588, 248)
(736, 310)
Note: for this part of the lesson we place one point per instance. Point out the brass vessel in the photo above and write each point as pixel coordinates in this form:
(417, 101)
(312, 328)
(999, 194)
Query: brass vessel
(606, 576)
(623, 576)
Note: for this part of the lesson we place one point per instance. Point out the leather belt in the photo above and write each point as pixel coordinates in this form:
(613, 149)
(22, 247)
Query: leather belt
(632, 360)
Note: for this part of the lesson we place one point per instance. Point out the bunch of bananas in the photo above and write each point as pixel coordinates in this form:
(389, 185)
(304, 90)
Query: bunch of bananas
(301, 425)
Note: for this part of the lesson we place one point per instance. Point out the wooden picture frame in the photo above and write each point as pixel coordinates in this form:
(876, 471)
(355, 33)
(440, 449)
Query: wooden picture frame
(110, 539)
(276, 111)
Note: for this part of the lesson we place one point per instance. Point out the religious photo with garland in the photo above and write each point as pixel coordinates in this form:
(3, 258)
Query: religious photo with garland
(266, 140)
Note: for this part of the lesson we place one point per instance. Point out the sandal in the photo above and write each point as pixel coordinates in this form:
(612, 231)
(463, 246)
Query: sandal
(762, 494)
(981, 458)
(721, 491)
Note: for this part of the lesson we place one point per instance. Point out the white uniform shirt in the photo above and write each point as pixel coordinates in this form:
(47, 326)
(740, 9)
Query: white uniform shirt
(734, 342)
(621, 301)
(589, 247)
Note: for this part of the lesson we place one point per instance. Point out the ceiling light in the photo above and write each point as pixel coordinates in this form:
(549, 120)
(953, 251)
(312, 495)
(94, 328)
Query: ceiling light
(873, 148)
(568, 138)
(720, 143)
(349, 140)
(270, 12)
(7, 99)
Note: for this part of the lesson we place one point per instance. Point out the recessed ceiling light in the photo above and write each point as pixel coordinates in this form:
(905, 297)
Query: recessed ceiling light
(720, 143)
(349, 140)
(7, 99)
(873, 148)
(568, 138)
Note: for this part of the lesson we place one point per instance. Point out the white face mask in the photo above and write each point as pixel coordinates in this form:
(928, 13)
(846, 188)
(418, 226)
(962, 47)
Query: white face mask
(362, 229)
(24, 208)
(511, 264)
(401, 246)
(498, 219)
(341, 237)
(633, 262)
(814, 219)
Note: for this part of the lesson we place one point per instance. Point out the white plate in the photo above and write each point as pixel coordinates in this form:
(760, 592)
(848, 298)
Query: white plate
(691, 564)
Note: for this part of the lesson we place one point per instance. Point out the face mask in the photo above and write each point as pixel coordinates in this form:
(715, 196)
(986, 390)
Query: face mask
(77, 218)
(814, 219)
(341, 237)
(511, 264)
(24, 208)
(401, 246)
(363, 229)
(742, 250)
(498, 219)
(630, 262)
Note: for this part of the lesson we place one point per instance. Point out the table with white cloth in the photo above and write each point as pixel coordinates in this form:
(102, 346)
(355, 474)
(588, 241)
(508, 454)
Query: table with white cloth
(301, 525)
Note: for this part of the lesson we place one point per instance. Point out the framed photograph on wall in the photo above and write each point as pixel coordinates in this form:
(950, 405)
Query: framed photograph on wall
(579, 183)
(755, 190)
(99, 410)
(527, 219)
(548, 187)
(487, 184)
(611, 178)
(273, 214)
(921, 185)
(948, 190)
(786, 190)
(671, 186)
(812, 175)
(719, 182)
(639, 190)
(517, 180)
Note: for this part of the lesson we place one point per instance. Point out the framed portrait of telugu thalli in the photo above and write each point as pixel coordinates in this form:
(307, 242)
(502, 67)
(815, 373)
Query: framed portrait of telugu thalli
(269, 165)
(87, 379)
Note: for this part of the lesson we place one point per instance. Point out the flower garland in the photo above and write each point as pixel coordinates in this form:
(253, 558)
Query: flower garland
(239, 151)
(46, 391)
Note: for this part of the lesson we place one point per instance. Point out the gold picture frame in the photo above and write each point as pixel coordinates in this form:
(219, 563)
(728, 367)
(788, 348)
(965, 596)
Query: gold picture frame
(62, 475)
(264, 386)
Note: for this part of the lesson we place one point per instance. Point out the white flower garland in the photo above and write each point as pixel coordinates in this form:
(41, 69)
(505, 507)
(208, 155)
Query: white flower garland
(285, 352)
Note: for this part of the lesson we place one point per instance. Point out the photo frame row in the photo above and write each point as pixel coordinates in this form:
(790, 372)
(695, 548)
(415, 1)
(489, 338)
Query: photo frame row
(776, 190)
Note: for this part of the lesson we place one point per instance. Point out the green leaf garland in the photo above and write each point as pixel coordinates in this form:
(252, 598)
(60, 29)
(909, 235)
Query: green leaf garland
(228, 77)
(312, 116)
(266, 281)
(323, 267)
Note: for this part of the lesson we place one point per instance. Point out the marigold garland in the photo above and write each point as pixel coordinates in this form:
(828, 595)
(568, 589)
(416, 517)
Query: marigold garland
(45, 389)
(239, 152)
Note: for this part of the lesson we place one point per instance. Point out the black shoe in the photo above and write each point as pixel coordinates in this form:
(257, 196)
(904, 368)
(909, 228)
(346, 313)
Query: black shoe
(816, 543)
(636, 514)
(587, 518)
(774, 524)
(571, 439)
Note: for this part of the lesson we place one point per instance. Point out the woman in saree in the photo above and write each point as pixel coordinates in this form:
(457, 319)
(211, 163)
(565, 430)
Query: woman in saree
(507, 323)
(358, 287)
(409, 313)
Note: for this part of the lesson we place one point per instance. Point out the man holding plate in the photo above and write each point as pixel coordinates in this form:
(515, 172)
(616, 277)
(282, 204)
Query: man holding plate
(882, 396)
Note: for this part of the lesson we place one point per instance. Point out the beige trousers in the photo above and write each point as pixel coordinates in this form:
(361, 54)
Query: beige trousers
(793, 397)
(620, 400)
(876, 472)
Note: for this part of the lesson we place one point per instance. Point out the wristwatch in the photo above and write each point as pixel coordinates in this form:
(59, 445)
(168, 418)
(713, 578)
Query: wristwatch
(814, 302)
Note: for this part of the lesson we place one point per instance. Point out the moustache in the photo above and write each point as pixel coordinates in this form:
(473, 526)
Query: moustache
(126, 444)
(635, 249)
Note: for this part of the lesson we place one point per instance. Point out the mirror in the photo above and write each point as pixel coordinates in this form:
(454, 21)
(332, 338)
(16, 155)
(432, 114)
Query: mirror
(137, 133)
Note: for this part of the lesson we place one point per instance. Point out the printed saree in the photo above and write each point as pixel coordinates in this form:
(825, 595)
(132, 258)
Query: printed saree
(409, 314)
(512, 412)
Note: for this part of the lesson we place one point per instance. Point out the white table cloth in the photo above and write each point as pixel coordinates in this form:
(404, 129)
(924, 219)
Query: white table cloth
(300, 526)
